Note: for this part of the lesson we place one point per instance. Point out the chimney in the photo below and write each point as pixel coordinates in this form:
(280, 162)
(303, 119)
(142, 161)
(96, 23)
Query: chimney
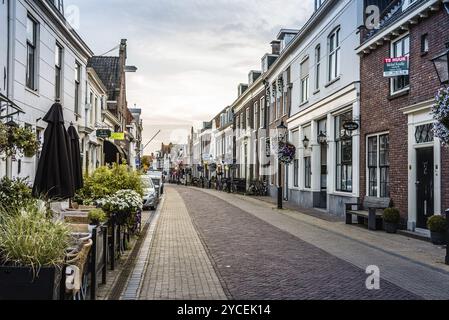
(275, 47)
(123, 47)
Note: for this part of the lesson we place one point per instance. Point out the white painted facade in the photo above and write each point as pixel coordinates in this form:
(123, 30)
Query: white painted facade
(330, 93)
(418, 115)
(51, 29)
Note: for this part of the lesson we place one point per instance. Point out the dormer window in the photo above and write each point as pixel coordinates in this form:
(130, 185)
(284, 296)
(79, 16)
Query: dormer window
(318, 4)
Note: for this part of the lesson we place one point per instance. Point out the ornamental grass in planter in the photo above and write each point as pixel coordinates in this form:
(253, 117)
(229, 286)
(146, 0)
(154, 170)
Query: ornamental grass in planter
(438, 229)
(391, 217)
(32, 253)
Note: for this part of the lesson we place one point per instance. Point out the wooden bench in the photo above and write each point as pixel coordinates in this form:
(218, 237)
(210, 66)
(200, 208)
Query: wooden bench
(371, 209)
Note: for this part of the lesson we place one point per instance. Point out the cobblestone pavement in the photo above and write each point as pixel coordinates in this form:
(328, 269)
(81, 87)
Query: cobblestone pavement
(414, 265)
(257, 260)
(178, 265)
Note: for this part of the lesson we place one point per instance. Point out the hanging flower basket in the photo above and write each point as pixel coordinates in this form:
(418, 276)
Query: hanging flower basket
(440, 113)
(286, 153)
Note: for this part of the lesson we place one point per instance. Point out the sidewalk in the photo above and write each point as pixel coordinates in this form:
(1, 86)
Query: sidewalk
(414, 265)
(178, 265)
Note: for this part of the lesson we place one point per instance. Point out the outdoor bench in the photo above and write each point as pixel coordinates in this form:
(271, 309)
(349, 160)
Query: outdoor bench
(371, 209)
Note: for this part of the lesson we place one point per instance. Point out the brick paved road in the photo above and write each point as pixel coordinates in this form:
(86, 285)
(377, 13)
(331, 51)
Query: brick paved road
(178, 265)
(259, 261)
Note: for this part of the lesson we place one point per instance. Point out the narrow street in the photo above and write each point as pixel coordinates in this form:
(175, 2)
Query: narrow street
(211, 245)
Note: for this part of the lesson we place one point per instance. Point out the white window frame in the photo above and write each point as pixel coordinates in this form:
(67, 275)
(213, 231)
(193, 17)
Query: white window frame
(317, 66)
(401, 38)
(333, 67)
(256, 115)
(378, 171)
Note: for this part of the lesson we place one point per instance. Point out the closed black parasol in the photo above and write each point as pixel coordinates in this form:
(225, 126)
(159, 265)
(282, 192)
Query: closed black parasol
(76, 158)
(54, 177)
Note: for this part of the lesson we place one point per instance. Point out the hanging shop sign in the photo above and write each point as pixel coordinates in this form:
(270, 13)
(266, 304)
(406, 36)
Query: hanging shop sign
(394, 67)
(103, 133)
(351, 126)
(119, 136)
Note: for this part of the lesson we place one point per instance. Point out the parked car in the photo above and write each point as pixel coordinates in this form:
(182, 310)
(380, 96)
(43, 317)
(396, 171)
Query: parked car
(158, 181)
(150, 197)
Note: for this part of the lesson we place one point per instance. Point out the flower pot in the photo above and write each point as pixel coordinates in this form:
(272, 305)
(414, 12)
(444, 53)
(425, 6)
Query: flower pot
(19, 283)
(438, 238)
(391, 227)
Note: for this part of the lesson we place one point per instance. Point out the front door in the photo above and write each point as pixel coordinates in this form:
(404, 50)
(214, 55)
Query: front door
(323, 177)
(424, 186)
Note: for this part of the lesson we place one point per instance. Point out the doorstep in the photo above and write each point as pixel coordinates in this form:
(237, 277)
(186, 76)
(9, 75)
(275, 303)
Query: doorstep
(418, 234)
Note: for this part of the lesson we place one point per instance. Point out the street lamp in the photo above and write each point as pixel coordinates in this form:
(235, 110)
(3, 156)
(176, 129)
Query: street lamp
(322, 138)
(305, 142)
(441, 64)
(282, 138)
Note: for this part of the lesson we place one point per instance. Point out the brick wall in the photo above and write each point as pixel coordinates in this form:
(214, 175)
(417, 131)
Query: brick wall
(380, 112)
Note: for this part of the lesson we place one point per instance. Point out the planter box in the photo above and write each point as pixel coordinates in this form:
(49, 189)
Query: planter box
(438, 238)
(391, 227)
(19, 284)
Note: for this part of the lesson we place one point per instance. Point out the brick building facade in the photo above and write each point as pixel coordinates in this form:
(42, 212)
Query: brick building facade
(395, 113)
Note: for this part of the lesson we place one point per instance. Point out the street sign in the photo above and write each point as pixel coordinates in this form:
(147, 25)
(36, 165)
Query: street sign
(394, 67)
(103, 133)
(351, 126)
(119, 136)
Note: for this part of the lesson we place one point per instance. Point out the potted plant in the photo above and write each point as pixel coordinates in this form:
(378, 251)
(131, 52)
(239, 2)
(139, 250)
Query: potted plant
(438, 229)
(32, 253)
(122, 205)
(96, 217)
(391, 217)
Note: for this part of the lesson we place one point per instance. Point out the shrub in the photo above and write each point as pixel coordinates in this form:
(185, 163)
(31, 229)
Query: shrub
(392, 215)
(437, 224)
(97, 216)
(30, 239)
(107, 181)
(15, 194)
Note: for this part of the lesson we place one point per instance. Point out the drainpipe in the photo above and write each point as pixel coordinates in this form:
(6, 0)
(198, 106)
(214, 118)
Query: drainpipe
(8, 162)
(447, 239)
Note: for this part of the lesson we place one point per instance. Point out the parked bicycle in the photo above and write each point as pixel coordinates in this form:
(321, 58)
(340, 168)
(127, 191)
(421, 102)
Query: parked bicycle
(258, 188)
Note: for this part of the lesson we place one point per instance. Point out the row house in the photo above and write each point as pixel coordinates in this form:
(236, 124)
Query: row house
(401, 158)
(42, 60)
(223, 135)
(325, 97)
(115, 114)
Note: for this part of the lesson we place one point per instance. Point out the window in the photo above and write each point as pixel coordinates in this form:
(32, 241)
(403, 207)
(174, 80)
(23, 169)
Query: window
(91, 102)
(31, 71)
(295, 141)
(305, 81)
(317, 66)
(58, 71)
(248, 119)
(77, 87)
(307, 172)
(379, 166)
(256, 115)
(285, 95)
(344, 153)
(424, 43)
(400, 48)
(318, 4)
(262, 113)
(334, 55)
(242, 121)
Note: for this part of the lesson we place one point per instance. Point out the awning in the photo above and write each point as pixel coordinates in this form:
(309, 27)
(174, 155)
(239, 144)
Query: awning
(112, 152)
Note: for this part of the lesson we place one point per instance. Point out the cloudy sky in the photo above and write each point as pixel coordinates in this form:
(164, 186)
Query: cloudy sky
(191, 54)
